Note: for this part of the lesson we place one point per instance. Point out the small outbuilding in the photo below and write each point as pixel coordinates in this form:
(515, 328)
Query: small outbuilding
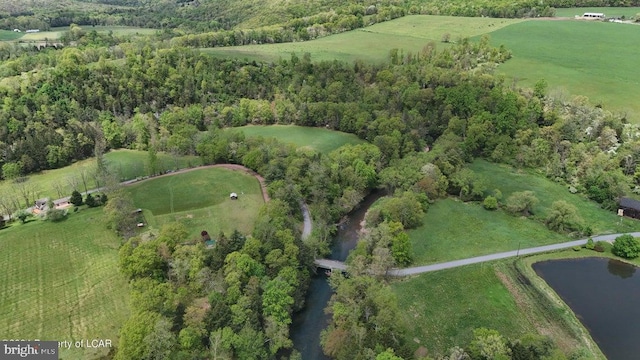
(629, 207)
(233, 196)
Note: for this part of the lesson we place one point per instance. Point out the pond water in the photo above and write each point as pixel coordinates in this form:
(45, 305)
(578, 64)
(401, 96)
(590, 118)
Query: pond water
(309, 323)
(604, 294)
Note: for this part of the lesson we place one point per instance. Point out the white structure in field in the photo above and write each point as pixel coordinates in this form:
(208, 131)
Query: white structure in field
(595, 16)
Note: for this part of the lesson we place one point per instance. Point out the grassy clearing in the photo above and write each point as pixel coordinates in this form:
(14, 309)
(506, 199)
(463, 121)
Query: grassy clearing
(454, 230)
(628, 12)
(509, 180)
(56, 33)
(443, 308)
(128, 164)
(9, 35)
(322, 140)
(373, 43)
(591, 58)
(200, 200)
(59, 281)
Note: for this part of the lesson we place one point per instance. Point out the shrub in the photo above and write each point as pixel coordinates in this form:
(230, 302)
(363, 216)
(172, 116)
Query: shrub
(521, 202)
(22, 215)
(90, 201)
(563, 217)
(600, 246)
(576, 248)
(56, 215)
(626, 246)
(590, 244)
(490, 203)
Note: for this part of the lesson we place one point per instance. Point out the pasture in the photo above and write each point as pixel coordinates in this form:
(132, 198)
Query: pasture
(127, 164)
(318, 139)
(56, 33)
(454, 230)
(627, 12)
(591, 58)
(509, 180)
(59, 281)
(200, 200)
(373, 43)
(442, 308)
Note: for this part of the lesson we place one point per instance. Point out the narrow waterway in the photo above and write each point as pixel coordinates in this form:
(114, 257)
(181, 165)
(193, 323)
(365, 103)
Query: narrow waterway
(604, 294)
(309, 323)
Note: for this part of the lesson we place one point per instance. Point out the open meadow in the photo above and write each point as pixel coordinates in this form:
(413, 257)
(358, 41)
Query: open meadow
(373, 43)
(627, 12)
(60, 281)
(443, 308)
(200, 200)
(322, 140)
(591, 58)
(509, 180)
(127, 164)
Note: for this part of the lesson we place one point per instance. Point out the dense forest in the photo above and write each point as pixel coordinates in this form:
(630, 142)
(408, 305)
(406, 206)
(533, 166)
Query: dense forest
(424, 116)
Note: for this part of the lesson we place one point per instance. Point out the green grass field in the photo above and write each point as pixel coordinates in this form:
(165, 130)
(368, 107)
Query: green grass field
(56, 33)
(200, 200)
(454, 230)
(628, 12)
(373, 43)
(322, 140)
(509, 180)
(128, 164)
(59, 281)
(591, 58)
(441, 309)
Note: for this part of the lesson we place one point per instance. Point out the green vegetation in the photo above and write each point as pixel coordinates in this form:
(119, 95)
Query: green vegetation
(128, 164)
(627, 12)
(60, 281)
(322, 140)
(509, 180)
(456, 230)
(8, 35)
(441, 309)
(626, 246)
(588, 58)
(373, 43)
(200, 200)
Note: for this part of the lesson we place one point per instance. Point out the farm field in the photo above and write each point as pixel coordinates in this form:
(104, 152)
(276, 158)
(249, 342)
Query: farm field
(200, 200)
(509, 180)
(56, 33)
(628, 12)
(443, 308)
(591, 58)
(373, 43)
(322, 140)
(59, 281)
(128, 164)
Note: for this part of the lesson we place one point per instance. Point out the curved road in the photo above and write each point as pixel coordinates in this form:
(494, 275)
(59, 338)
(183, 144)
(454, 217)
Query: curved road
(485, 258)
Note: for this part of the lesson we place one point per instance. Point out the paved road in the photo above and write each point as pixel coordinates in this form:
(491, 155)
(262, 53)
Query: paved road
(497, 256)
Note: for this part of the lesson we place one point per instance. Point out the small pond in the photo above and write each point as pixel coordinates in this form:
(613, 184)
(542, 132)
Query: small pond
(605, 295)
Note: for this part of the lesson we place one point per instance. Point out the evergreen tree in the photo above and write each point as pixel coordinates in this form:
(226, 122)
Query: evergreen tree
(76, 198)
(90, 201)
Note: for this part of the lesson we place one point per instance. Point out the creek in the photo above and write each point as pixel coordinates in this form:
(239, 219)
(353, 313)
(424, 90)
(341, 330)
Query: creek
(604, 294)
(309, 322)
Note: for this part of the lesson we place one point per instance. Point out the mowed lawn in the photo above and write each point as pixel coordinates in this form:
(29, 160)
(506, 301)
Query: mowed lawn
(455, 230)
(56, 33)
(200, 200)
(127, 164)
(509, 180)
(442, 308)
(60, 281)
(319, 139)
(591, 58)
(373, 43)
